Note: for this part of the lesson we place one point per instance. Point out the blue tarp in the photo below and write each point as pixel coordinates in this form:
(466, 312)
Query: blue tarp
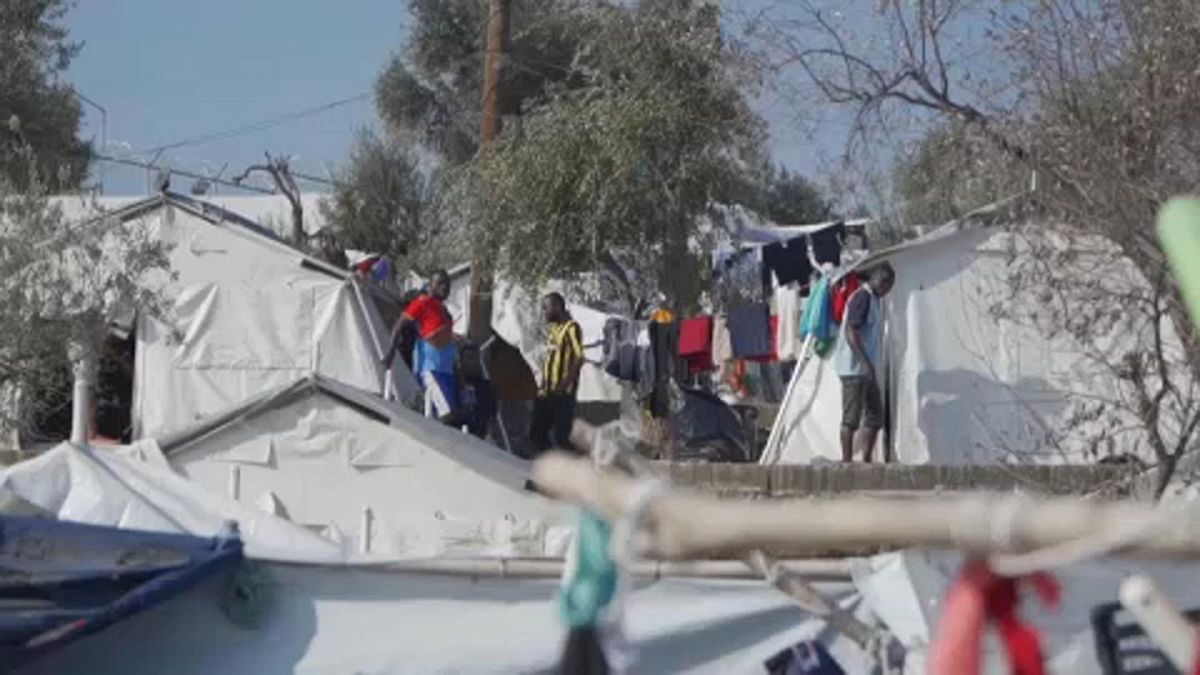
(60, 581)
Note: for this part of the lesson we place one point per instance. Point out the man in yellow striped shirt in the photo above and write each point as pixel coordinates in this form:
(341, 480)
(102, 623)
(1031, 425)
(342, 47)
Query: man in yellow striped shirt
(554, 409)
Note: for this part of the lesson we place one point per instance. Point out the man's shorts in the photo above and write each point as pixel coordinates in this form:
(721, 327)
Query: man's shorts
(862, 403)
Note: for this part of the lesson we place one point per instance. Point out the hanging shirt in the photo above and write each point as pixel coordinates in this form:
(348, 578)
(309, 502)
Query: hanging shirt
(564, 352)
(789, 262)
(863, 312)
(787, 337)
(817, 320)
(827, 245)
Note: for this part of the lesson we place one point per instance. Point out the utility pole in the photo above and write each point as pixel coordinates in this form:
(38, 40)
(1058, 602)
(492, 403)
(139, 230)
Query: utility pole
(499, 22)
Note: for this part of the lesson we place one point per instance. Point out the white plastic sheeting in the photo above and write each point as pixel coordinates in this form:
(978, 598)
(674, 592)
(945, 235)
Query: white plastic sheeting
(517, 318)
(964, 385)
(344, 620)
(247, 315)
(326, 455)
(103, 487)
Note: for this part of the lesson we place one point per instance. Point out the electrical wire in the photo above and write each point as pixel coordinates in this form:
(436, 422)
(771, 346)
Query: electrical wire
(255, 126)
(188, 174)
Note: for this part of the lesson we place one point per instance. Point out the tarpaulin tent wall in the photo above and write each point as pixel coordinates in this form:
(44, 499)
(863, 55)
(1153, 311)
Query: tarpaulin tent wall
(247, 312)
(965, 383)
(517, 318)
(320, 609)
(374, 475)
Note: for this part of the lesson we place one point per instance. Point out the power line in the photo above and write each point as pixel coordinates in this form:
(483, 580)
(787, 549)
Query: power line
(188, 174)
(255, 126)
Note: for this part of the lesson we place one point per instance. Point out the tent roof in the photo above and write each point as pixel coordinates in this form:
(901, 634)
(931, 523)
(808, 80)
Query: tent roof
(483, 458)
(88, 212)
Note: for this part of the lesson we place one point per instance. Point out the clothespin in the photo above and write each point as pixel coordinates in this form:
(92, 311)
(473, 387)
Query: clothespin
(1162, 621)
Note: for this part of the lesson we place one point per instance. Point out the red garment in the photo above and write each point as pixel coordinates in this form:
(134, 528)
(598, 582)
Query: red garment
(842, 291)
(977, 597)
(433, 320)
(695, 343)
(773, 334)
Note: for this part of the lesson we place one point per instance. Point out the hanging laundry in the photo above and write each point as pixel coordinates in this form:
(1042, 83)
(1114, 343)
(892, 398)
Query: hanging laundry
(620, 349)
(668, 365)
(749, 331)
(696, 343)
(787, 337)
(772, 353)
(722, 342)
(980, 596)
(817, 319)
(788, 261)
(807, 658)
(827, 244)
(842, 290)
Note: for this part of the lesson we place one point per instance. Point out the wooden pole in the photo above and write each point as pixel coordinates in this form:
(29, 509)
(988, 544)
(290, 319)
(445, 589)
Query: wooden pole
(682, 525)
(499, 22)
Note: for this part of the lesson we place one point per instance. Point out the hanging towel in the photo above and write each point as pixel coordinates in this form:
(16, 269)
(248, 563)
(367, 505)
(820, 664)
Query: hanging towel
(787, 336)
(817, 319)
(695, 343)
(722, 345)
(842, 291)
(749, 331)
(772, 354)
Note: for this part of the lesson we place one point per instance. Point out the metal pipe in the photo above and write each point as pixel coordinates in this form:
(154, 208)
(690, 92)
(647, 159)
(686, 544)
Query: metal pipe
(81, 399)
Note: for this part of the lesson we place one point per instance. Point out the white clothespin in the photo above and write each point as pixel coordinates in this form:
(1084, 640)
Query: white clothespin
(1161, 620)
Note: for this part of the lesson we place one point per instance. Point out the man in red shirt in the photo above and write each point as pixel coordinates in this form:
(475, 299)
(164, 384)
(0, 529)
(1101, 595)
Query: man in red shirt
(434, 352)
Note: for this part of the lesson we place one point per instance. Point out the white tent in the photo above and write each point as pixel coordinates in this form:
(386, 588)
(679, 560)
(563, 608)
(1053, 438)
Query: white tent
(517, 318)
(329, 610)
(247, 312)
(369, 473)
(965, 384)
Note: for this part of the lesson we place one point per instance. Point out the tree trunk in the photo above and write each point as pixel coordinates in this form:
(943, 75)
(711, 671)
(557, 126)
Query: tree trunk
(479, 326)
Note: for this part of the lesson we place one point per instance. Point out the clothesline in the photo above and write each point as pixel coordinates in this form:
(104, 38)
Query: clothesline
(681, 525)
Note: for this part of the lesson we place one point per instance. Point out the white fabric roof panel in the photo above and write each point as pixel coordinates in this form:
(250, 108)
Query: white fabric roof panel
(967, 385)
(247, 316)
(327, 457)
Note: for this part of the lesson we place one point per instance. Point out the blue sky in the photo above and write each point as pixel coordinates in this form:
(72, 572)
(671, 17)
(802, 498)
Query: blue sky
(168, 70)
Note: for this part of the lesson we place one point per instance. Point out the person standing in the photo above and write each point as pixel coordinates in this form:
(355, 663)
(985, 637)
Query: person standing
(554, 408)
(857, 361)
(434, 351)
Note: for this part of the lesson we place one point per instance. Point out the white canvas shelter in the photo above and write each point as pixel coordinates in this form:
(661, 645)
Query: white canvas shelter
(371, 474)
(247, 313)
(332, 611)
(517, 319)
(963, 385)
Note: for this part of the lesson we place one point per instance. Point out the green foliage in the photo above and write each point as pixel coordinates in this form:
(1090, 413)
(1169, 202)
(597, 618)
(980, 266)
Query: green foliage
(60, 283)
(655, 132)
(382, 202)
(791, 199)
(430, 92)
(950, 172)
(36, 109)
